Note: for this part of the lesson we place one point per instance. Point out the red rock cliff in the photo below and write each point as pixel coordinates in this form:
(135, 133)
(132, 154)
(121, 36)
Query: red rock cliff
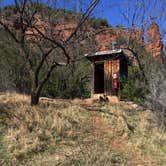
(154, 45)
(104, 39)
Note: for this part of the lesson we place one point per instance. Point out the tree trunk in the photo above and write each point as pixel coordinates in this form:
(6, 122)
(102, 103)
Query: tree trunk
(34, 99)
(37, 88)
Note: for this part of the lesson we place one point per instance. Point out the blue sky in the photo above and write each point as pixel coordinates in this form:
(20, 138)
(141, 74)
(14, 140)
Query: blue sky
(113, 11)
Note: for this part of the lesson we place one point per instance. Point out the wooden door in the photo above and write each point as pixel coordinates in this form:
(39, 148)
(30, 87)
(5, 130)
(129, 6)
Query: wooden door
(110, 67)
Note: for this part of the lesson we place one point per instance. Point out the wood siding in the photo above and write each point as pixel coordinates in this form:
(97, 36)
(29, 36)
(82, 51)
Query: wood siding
(107, 77)
(110, 67)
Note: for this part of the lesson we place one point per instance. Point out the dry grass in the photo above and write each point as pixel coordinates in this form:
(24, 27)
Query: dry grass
(63, 132)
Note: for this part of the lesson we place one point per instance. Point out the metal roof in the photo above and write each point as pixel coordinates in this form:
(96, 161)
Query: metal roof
(108, 52)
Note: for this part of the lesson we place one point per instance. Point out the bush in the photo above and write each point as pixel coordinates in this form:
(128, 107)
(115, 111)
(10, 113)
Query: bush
(132, 88)
(13, 70)
(98, 23)
(9, 10)
(69, 83)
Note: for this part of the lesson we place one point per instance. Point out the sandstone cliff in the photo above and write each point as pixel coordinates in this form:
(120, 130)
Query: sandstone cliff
(102, 41)
(154, 45)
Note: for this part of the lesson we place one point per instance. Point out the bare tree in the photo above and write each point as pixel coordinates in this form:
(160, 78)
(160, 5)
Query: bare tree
(138, 15)
(44, 37)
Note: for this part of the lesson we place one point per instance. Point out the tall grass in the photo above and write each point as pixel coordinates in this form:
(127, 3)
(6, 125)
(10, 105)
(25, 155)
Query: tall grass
(30, 130)
(65, 133)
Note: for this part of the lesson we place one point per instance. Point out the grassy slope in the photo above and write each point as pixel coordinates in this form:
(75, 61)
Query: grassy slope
(64, 133)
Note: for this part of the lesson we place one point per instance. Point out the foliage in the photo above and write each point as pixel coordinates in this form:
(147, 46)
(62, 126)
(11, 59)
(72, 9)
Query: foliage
(135, 87)
(65, 82)
(132, 88)
(69, 82)
(13, 70)
(9, 10)
(62, 84)
(98, 23)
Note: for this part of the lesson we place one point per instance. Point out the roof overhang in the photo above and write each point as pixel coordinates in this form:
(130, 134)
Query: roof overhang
(109, 54)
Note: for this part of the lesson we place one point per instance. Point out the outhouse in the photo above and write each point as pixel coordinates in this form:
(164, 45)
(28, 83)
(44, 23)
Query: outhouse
(105, 64)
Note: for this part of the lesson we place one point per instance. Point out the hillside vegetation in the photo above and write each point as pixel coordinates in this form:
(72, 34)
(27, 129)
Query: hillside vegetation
(77, 132)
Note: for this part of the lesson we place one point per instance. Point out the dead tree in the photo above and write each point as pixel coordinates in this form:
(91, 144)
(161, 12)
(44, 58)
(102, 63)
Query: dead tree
(138, 15)
(43, 37)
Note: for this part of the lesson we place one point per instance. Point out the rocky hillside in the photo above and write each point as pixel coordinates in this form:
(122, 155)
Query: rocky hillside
(97, 29)
(104, 36)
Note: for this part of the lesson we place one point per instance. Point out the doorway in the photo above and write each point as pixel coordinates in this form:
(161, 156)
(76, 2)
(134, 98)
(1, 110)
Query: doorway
(99, 78)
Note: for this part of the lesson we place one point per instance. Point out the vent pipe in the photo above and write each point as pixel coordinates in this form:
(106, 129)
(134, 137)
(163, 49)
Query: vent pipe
(114, 45)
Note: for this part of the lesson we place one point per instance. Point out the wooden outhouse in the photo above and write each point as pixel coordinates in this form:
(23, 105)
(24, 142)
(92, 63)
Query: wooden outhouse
(105, 65)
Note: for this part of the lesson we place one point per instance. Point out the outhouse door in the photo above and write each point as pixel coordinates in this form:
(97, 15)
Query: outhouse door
(110, 67)
(103, 74)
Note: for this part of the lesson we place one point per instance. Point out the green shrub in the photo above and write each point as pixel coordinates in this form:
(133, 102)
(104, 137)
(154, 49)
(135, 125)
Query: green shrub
(69, 83)
(98, 23)
(9, 10)
(13, 69)
(132, 88)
